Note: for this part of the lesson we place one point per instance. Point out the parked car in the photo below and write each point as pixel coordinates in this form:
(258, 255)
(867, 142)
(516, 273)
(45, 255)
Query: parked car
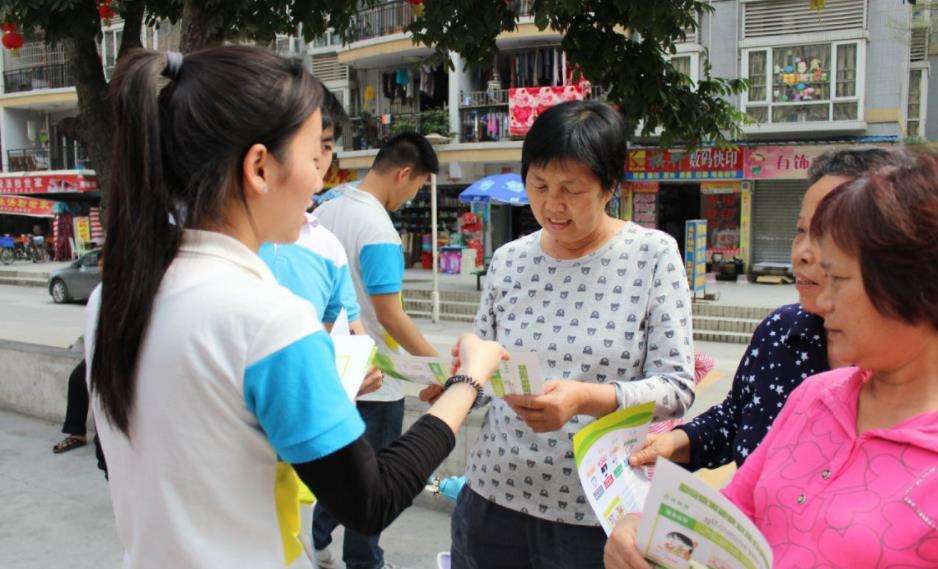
(76, 281)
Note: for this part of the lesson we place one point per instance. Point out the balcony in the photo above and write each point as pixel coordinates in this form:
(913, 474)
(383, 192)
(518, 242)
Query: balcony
(483, 115)
(370, 131)
(72, 156)
(50, 76)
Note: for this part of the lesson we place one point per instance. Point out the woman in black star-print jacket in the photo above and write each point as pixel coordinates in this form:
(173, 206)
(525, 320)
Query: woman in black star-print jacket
(787, 347)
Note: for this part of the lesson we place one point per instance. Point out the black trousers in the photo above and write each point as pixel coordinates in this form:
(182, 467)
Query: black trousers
(76, 409)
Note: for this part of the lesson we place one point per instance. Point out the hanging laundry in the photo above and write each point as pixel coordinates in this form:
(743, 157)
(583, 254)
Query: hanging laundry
(526, 103)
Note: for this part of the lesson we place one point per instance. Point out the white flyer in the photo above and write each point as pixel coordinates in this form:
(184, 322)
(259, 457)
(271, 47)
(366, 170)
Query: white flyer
(520, 375)
(686, 523)
(353, 355)
(601, 450)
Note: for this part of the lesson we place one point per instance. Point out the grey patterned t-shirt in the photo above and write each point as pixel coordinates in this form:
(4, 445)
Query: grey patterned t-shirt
(619, 314)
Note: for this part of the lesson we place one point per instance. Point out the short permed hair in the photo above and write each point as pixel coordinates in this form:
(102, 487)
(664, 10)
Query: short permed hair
(407, 149)
(888, 220)
(589, 132)
(851, 163)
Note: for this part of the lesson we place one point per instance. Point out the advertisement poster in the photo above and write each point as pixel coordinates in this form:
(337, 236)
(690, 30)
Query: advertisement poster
(720, 207)
(521, 375)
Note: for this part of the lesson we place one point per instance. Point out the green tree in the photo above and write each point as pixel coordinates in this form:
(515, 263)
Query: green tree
(623, 45)
(77, 25)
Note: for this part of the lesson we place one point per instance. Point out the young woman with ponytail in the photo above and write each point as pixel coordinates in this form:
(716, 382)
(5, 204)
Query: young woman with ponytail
(203, 370)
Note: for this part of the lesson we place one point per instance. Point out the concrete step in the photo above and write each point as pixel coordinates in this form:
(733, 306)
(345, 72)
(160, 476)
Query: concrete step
(723, 337)
(23, 281)
(718, 324)
(725, 311)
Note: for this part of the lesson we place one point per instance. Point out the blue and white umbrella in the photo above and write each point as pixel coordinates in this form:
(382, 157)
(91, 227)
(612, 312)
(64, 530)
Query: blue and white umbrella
(500, 188)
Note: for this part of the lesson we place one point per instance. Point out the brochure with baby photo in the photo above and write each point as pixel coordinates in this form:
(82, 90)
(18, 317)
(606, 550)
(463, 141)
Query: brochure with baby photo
(353, 355)
(521, 375)
(688, 524)
(601, 451)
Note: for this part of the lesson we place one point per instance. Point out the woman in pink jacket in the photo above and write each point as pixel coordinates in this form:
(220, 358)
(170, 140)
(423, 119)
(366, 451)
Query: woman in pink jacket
(848, 474)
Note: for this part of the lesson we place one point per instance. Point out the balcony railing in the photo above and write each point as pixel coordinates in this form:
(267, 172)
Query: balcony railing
(49, 76)
(394, 17)
(381, 20)
(369, 131)
(69, 157)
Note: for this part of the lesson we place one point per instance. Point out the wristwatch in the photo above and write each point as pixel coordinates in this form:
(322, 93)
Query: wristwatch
(471, 382)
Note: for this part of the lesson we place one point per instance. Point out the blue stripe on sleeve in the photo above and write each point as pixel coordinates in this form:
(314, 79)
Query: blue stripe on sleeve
(343, 296)
(382, 268)
(307, 274)
(299, 402)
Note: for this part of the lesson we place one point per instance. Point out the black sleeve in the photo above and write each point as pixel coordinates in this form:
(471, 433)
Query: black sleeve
(366, 491)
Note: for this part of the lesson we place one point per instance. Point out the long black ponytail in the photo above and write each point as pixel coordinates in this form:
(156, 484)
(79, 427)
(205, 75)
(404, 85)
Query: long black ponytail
(182, 129)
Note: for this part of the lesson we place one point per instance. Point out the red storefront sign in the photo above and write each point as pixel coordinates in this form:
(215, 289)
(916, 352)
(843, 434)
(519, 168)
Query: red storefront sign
(38, 183)
(33, 207)
(703, 164)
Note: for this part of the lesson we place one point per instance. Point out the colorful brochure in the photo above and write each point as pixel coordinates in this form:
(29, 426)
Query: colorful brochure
(521, 375)
(601, 450)
(686, 523)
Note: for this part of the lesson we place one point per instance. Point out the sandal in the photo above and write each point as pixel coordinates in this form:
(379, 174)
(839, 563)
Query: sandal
(69, 443)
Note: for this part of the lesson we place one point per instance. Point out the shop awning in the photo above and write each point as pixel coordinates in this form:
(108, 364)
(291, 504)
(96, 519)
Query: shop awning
(31, 207)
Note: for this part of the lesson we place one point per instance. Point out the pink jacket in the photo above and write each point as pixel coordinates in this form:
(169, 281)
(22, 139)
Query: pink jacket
(825, 497)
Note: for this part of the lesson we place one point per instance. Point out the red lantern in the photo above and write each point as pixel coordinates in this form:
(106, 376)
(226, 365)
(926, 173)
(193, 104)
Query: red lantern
(12, 40)
(8, 27)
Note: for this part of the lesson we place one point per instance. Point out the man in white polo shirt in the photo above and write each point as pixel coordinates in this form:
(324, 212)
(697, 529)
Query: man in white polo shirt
(359, 218)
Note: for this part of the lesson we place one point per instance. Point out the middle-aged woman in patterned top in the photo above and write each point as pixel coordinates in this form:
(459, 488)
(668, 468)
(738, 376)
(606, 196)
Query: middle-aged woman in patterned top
(787, 347)
(605, 305)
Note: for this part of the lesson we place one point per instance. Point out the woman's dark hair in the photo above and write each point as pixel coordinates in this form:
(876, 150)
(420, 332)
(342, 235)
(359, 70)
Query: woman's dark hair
(849, 163)
(176, 163)
(588, 132)
(888, 220)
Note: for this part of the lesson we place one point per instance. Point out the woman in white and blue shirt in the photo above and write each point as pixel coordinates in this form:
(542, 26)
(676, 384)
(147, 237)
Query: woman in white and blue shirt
(203, 369)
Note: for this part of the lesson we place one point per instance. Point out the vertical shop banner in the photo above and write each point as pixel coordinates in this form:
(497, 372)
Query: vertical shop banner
(781, 162)
(703, 164)
(720, 203)
(32, 207)
(745, 223)
(82, 229)
(695, 254)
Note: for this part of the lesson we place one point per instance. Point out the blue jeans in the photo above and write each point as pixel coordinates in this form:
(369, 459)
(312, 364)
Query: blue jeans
(383, 424)
(488, 536)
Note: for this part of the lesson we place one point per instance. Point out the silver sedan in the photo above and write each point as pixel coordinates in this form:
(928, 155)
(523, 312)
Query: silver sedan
(76, 281)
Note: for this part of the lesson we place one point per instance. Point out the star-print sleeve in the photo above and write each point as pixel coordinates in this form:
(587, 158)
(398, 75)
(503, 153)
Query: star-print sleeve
(741, 489)
(669, 349)
(485, 317)
(712, 433)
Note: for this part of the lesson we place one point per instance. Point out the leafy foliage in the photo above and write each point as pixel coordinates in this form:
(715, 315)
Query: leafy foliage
(620, 44)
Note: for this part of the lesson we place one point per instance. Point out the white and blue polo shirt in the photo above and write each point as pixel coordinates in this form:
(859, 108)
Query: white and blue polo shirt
(234, 372)
(376, 259)
(316, 269)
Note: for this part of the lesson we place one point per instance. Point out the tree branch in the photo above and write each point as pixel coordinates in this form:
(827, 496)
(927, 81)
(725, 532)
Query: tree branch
(133, 26)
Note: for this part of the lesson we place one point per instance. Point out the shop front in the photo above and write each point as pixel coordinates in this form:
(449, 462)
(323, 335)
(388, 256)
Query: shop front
(58, 211)
(665, 189)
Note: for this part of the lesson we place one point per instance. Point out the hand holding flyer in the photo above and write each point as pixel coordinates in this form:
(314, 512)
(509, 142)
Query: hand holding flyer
(689, 524)
(602, 450)
(519, 375)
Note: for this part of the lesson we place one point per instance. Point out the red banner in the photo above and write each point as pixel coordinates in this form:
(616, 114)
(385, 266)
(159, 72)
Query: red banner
(703, 164)
(39, 183)
(33, 207)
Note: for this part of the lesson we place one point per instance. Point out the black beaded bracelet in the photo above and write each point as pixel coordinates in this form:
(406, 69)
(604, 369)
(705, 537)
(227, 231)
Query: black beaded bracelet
(469, 381)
